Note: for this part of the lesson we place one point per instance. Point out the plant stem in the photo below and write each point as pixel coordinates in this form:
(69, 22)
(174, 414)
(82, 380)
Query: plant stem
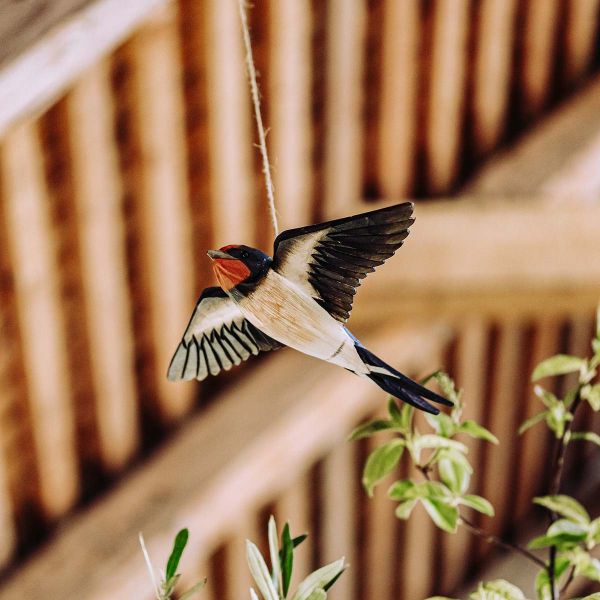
(488, 537)
(569, 580)
(557, 469)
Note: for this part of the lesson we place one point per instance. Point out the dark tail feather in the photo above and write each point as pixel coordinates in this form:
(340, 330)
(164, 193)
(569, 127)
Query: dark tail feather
(399, 385)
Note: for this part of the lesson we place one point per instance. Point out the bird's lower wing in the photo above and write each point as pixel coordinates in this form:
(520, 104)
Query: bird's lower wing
(217, 338)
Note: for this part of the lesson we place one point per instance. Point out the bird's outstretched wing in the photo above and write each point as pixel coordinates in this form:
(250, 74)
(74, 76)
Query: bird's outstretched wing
(328, 260)
(217, 337)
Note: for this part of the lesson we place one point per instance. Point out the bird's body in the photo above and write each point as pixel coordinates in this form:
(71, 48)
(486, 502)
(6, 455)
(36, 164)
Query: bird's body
(300, 298)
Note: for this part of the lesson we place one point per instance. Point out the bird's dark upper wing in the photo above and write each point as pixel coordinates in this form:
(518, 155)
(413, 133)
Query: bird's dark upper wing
(328, 260)
(217, 337)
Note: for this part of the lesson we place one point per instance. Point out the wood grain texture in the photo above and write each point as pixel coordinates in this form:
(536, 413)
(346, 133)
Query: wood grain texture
(492, 71)
(580, 37)
(33, 253)
(346, 22)
(47, 44)
(446, 93)
(194, 482)
(397, 123)
(229, 127)
(162, 195)
(290, 139)
(98, 196)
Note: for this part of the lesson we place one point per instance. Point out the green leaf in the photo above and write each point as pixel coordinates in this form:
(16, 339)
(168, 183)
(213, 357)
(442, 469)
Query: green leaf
(591, 393)
(556, 419)
(260, 572)
(368, 429)
(594, 596)
(318, 594)
(478, 503)
(542, 581)
(274, 554)
(532, 421)
(193, 590)
(402, 490)
(178, 546)
(442, 514)
(566, 506)
(253, 595)
(454, 475)
(380, 463)
(548, 398)
(407, 413)
(587, 436)
(286, 558)
(455, 456)
(594, 532)
(585, 564)
(557, 365)
(319, 579)
(477, 431)
(432, 441)
(442, 424)
(404, 509)
(563, 534)
(499, 589)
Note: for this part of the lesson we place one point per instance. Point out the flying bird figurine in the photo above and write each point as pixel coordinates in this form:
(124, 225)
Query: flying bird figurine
(301, 298)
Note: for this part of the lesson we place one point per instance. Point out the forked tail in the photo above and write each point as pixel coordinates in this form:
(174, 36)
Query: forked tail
(398, 385)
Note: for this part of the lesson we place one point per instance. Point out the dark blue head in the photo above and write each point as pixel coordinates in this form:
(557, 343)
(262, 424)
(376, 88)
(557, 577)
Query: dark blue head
(237, 266)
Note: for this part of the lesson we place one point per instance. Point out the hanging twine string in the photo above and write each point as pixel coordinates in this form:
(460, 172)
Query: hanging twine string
(257, 115)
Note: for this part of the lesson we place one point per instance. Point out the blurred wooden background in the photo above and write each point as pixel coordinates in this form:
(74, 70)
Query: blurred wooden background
(127, 152)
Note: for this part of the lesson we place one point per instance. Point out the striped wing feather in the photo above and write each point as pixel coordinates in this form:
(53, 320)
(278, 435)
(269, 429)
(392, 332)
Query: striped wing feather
(217, 338)
(329, 260)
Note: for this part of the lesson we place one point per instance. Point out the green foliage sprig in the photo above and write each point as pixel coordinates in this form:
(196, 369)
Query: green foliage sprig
(164, 588)
(275, 584)
(442, 460)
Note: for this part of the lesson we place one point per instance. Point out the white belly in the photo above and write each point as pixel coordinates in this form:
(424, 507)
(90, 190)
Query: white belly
(287, 314)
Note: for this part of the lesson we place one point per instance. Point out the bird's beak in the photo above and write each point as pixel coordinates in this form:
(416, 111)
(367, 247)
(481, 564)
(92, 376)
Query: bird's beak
(215, 254)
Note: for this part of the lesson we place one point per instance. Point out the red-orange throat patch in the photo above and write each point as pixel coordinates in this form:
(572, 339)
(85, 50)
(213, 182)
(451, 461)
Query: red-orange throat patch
(230, 272)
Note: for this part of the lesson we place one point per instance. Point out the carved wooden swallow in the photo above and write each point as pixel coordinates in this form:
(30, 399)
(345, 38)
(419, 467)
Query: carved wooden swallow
(301, 298)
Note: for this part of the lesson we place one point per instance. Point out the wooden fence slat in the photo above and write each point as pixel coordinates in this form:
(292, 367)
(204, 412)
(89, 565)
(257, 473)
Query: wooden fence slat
(98, 194)
(237, 573)
(471, 378)
(538, 43)
(8, 538)
(163, 197)
(32, 248)
(339, 515)
(397, 124)
(581, 31)
(346, 23)
(491, 88)
(378, 570)
(503, 404)
(229, 127)
(294, 507)
(290, 138)
(445, 101)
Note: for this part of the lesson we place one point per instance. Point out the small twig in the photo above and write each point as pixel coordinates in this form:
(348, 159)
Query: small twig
(555, 485)
(569, 580)
(493, 539)
(257, 115)
(488, 537)
(149, 565)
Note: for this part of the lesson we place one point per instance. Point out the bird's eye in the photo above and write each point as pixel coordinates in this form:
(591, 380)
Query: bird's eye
(244, 254)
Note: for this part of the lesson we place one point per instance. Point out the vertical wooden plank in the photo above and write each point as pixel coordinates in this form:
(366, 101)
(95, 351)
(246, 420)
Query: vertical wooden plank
(231, 136)
(237, 574)
(535, 443)
(97, 193)
(539, 37)
(446, 92)
(32, 249)
(344, 93)
(581, 32)
(503, 406)
(294, 507)
(338, 530)
(290, 110)
(398, 102)
(380, 544)
(470, 377)
(163, 195)
(7, 525)
(491, 89)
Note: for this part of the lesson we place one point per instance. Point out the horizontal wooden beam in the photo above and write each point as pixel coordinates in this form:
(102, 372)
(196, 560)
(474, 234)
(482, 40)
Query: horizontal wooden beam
(220, 467)
(47, 44)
